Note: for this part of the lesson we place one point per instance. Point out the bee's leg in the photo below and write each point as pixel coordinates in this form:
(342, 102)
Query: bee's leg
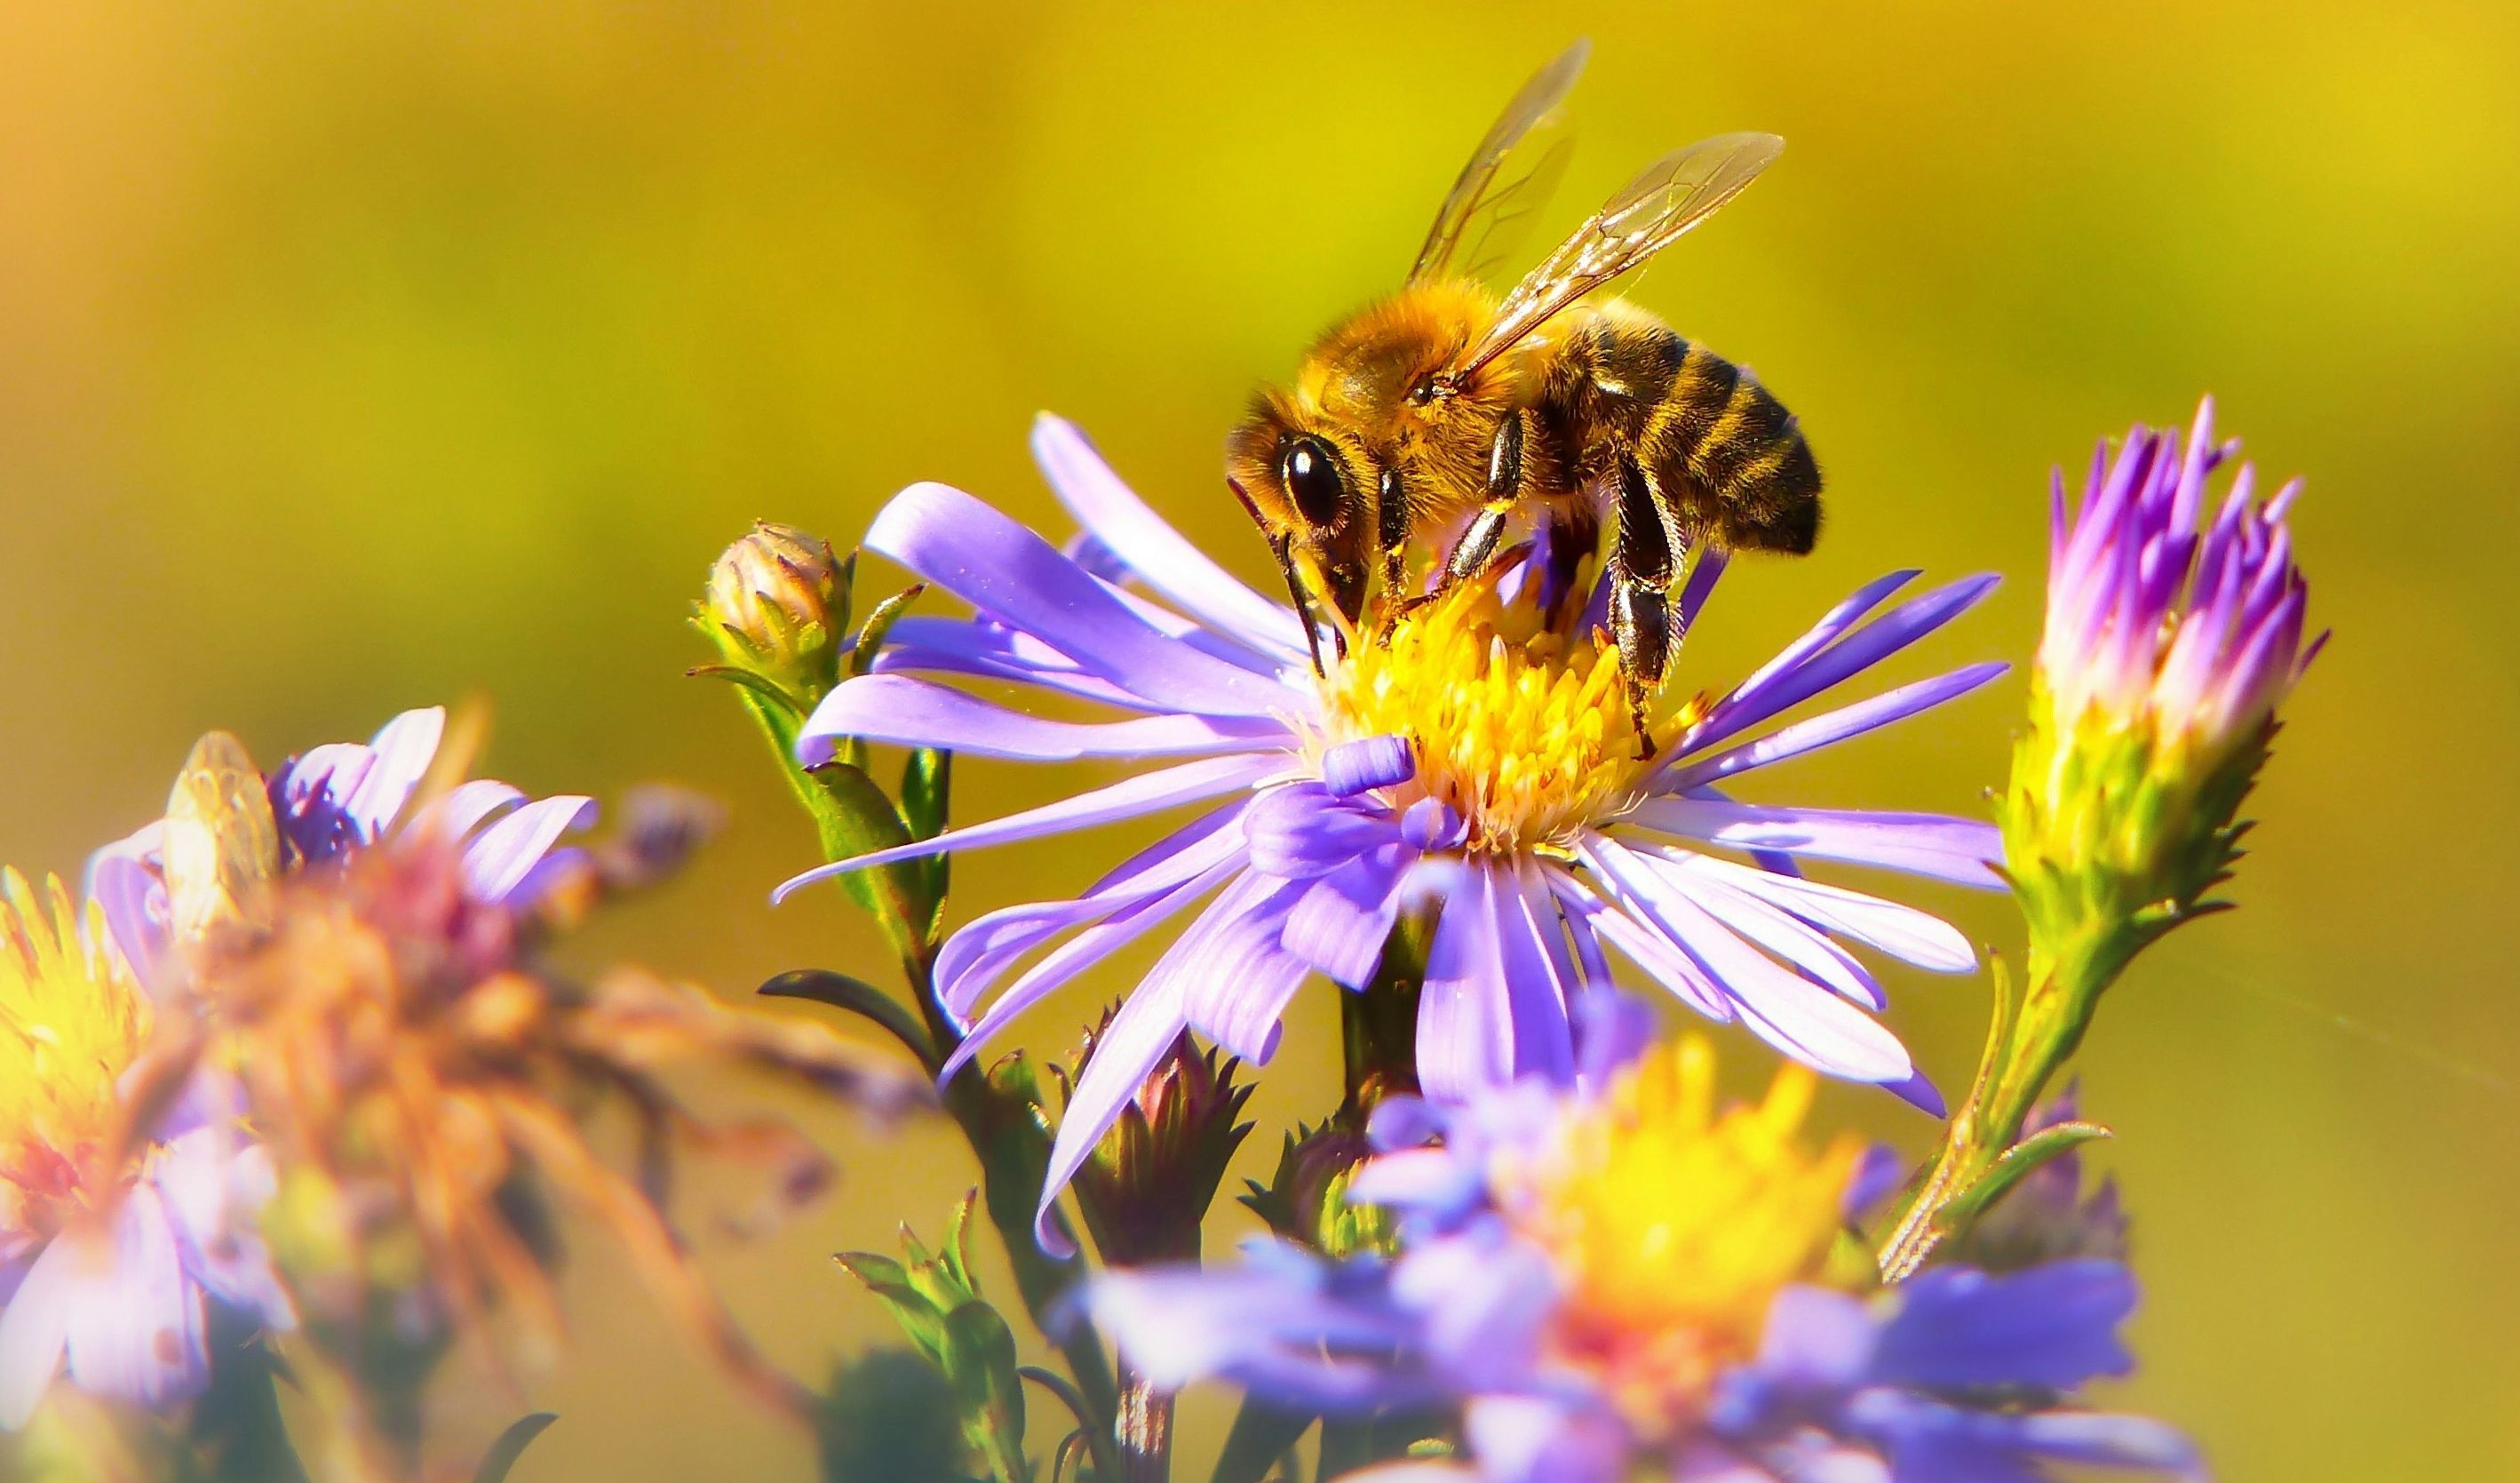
(1391, 536)
(1484, 537)
(1640, 570)
(1283, 549)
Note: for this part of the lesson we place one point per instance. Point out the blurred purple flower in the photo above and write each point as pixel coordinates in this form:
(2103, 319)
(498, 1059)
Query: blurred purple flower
(1958, 1375)
(341, 798)
(1483, 756)
(110, 1271)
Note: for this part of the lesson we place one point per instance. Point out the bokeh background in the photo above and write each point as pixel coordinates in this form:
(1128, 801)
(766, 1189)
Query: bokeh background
(360, 356)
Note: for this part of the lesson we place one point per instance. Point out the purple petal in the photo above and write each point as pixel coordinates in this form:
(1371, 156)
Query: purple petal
(497, 861)
(1932, 845)
(2052, 1326)
(1911, 621)
(985, 650)
(1829, 728)
(398, 758)
(34, 1329)
(1905, 932)
(1301, 830)
(1340, 923)
(978, 955)
(1145, 793)
(1016, 578)
(136, 1326)
(213, 1188)
(1643, 946)
(1464, 1028)
(1154, 552)
(1816, 1339)
(1538, 986)
(1240, 975)
(1776, 930)
(1480, 1025)
(920, 713)
(1797, 1017)
(134, 902)
(1282, 1324)
(1082, 952)
(1833, 622)
(466, 806)
(1540, 1439)
(1361, 766)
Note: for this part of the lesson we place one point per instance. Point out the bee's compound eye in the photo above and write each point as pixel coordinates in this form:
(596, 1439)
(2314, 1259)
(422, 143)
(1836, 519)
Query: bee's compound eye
(1313, 482)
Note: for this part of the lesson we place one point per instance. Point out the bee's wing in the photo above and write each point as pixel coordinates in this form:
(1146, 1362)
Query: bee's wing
(222, 845)
(1483, 211)
(1674, 194)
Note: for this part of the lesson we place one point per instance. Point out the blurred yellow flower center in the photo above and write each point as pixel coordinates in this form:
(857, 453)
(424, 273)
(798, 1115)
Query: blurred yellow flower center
(1526, 733)
(1675, 1228)
(72, 1022)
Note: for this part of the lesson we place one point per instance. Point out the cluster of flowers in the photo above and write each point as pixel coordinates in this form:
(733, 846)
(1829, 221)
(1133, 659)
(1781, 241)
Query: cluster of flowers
(294, 1064)
(1560, 1234)
(291, 1065)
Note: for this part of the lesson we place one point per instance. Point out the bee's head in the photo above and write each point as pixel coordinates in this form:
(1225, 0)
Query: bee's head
(1310, 486)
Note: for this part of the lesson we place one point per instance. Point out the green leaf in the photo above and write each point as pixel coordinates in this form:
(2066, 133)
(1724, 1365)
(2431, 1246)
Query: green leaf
(2011, 1166)
(237, 1426)
(858, 997)
(889, 1418)
(898, 1288)
(760, 685)
(511, 1446)
(981, 1366)
(856, 819)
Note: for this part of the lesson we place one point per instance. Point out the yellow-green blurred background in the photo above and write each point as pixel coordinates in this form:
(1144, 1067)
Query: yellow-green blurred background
(357, 356)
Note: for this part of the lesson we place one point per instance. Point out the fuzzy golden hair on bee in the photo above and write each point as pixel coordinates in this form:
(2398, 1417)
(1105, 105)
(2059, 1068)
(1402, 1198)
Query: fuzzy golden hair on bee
(1429, 424)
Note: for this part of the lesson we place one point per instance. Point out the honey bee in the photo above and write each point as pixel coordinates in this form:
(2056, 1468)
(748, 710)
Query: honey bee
(1445, 409)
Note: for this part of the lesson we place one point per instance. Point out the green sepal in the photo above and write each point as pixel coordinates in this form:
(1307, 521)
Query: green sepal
(927, 786)
(861, 998)
(2011, 1166)
(511, 1446)
(869, 641)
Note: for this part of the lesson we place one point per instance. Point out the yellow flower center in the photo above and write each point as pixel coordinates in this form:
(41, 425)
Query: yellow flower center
(1525, 732)
(72, 1021)
(1675, 1227)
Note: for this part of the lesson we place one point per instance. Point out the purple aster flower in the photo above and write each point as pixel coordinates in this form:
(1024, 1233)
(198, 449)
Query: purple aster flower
(2173, 634)
(341, 798)
(1625, 1279)
(2194, 635)
(111, 1273)
(1480, 754)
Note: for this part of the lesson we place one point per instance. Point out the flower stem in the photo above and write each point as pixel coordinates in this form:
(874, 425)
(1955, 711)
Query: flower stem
(1144, 1431)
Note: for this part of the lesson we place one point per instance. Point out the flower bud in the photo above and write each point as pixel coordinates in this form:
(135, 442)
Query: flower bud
(1149, 1182)
(1306, 1203)
(778, 605)
(2170, 642)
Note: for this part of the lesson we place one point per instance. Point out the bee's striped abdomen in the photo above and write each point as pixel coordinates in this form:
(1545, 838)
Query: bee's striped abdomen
(1733, 459)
